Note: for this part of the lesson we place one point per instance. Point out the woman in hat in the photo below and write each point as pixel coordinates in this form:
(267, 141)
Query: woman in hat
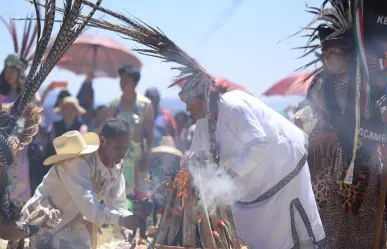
(13, 75)
(348, 206)
(164, 164)
(70, 110)
(10, 84)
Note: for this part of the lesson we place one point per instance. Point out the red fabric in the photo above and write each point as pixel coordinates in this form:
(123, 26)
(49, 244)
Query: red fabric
(292, 85)
(170, 125)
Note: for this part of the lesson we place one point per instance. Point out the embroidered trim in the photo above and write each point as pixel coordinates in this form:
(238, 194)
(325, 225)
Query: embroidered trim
(276, 188)
(321, 244)
(281, 184)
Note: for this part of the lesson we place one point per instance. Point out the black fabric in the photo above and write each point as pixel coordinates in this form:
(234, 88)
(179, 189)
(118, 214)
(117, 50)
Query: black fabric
(36, 158)
(344, 124)
(60, 127)
(86, 95)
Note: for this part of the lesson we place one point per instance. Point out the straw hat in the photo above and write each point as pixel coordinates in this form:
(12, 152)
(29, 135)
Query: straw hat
(70, 100)
(73, 144)
(167, 145)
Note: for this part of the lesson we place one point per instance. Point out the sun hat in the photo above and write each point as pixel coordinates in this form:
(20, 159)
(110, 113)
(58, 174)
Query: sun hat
(73, 144)
(70, 100)
(167, 145)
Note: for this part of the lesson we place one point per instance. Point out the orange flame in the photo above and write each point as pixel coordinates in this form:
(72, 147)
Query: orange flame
(181, 183)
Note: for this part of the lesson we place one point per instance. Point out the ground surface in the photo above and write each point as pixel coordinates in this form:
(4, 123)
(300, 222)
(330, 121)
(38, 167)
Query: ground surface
(106, 240)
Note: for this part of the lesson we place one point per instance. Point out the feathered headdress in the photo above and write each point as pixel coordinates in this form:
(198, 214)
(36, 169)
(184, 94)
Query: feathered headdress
(18, 124)
(331, 26)
(160, 46)
(23, 50)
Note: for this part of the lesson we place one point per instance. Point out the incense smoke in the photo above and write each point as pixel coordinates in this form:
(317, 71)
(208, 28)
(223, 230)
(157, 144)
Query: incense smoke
(214, 186)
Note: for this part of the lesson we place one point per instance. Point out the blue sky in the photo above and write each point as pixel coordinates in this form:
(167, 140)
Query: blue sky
(244, 50)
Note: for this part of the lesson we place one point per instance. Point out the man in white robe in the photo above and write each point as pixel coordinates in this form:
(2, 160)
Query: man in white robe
(86, 170)
(266, 155)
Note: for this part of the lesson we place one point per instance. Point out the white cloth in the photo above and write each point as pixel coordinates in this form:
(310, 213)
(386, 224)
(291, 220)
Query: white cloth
(262, 147)
(82, 182)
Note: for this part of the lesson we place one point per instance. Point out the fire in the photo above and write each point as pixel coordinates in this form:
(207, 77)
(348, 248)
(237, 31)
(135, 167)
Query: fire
(181, 183)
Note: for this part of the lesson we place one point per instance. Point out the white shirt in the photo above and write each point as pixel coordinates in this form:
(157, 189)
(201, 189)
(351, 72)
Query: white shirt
(262, 147)
(78, 189)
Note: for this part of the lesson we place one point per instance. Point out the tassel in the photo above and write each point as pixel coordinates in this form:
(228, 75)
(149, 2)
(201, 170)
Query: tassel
(349, 176)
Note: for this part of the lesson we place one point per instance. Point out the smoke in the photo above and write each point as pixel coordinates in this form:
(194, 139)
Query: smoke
(215, 187)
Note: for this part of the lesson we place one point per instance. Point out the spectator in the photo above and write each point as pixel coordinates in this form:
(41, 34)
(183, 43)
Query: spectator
(49, 115)
(70, 110)
(165, 124)
(137, 110)
(10, 84)
(101, 113)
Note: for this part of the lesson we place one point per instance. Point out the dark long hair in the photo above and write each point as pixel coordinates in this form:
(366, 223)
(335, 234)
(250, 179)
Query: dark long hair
(344, 123)
(5, 87)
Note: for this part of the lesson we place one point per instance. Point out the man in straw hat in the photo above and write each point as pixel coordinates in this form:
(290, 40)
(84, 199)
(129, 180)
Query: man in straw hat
(164, 163)
(86, 169)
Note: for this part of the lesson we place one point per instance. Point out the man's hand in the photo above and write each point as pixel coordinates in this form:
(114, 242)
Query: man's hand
(131, 222)
(128, 234)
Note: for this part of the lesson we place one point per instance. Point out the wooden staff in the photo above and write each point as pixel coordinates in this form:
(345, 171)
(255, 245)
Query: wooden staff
(189, 219)
(382, 199)
(205, 229)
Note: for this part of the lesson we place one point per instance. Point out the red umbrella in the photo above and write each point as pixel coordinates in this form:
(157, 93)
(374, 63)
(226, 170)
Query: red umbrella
(292, 85)
(102, 54)
(221, 82)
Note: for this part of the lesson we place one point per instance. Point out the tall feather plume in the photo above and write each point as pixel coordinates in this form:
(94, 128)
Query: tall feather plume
(336, 17)
(157, 43)
(24, 48)
(12, 31)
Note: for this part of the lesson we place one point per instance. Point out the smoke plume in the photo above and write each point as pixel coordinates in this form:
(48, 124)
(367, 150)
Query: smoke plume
(215, 188)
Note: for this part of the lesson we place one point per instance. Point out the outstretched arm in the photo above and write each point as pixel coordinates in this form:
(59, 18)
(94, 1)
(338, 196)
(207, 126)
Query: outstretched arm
(76, 179)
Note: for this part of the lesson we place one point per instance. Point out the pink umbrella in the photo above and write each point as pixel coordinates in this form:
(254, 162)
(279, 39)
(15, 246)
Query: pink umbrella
(103, 55)
(292, 85)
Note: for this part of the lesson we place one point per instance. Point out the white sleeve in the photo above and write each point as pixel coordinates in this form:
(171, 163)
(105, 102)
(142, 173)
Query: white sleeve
(241, 121)
(200, 138)
(118, 196)
(75, 176)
